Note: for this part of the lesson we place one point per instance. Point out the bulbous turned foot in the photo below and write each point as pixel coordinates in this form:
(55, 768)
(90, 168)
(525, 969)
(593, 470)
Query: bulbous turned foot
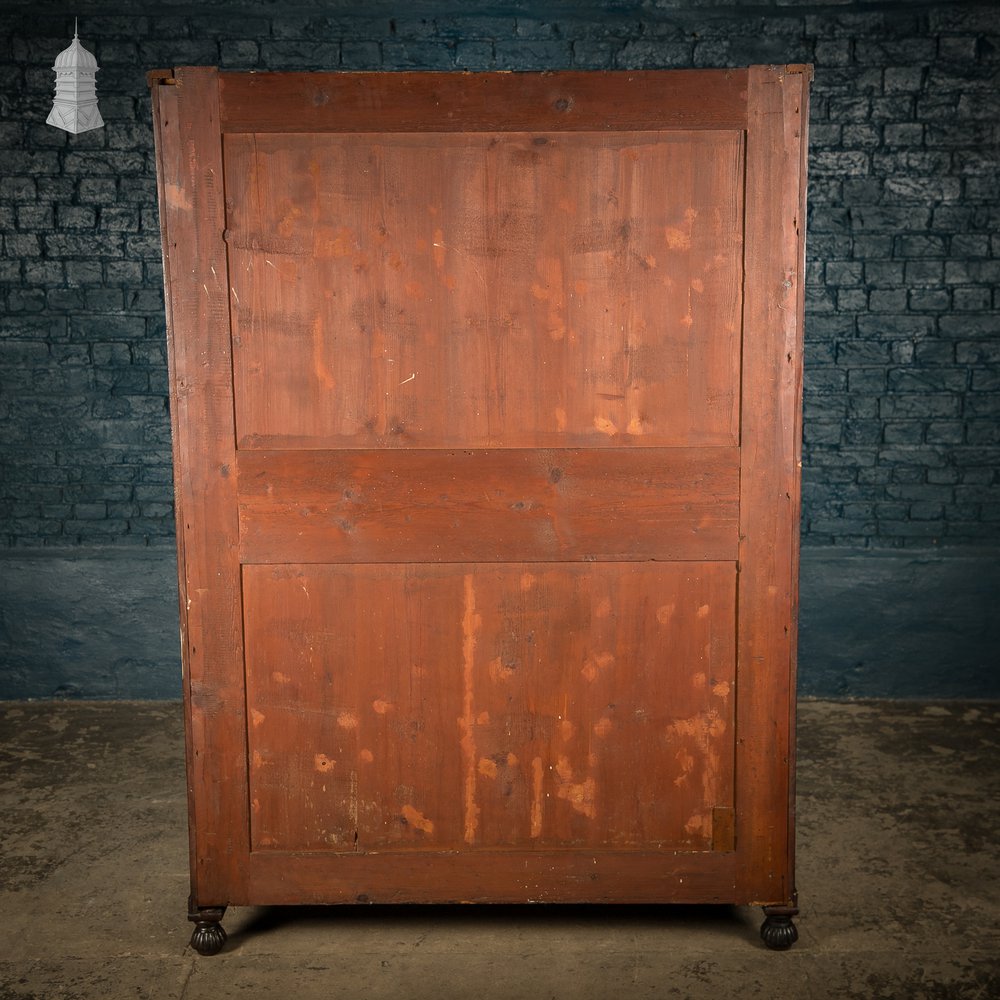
(778, 931)
(208, 935)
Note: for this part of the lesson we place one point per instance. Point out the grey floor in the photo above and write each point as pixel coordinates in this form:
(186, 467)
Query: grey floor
(899, 878)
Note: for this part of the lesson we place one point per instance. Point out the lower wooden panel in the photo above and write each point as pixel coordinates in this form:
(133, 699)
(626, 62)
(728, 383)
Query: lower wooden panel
(457, 505)
(430, 707)
(491, 877)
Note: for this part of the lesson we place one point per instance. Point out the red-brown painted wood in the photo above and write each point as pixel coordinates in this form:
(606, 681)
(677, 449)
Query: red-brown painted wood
(769, 496)
(493, 877)
(453, 506)
(480, 706)
(192, 219)
(482, 102)
(486, 290)
(486, 395)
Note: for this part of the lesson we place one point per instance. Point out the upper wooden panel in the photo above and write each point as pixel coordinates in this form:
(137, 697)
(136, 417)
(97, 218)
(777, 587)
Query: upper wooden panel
(477, 290)
(462, 102)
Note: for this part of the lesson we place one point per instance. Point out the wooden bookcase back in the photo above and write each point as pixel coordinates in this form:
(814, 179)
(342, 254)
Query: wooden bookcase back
(485, 393)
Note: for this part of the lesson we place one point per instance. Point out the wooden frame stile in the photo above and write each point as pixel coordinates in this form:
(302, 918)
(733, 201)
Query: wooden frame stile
(192, 216)
(770, 447)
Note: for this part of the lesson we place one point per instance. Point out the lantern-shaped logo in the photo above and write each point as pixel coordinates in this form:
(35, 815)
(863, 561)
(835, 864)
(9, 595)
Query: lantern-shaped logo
(75, 106)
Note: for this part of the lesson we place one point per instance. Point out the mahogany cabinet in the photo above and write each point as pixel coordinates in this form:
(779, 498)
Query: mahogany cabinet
(486, 416)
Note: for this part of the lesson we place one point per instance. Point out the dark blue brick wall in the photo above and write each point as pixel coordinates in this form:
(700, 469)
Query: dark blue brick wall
(902, 396)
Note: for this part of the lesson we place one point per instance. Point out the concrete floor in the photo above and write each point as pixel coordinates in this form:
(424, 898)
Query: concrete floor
(899, 878)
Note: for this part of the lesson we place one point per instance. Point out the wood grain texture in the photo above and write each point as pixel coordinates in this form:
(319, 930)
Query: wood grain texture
(190, 178)
(486, 406)
(486, 290)
(453, 506)
(769, 498)
(464, 102)
(493, 877)
(481, 706)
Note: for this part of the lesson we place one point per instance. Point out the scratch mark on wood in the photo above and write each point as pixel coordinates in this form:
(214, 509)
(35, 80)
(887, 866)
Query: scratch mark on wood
(470, 627)
(603, 727)
(416, 819)
(595, 664)
(323, 373)
(580, 795)
(353, 814)
(537, 774)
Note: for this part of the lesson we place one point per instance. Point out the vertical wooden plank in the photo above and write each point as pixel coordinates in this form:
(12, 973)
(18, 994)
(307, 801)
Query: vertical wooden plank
(770, 453)
(192, 216)
(796, 95)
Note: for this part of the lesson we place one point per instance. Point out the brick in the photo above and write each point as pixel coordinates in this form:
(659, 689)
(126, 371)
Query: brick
(928, 380)
(923, 189)
(972, 298)
(85, 245)
(982, 404)
(983, 432)
(967, 272)
(970, 245)
(969, 325)
(646, 54)
(419, 55)
(840, 163)
(888, 300)
(862, 382)
(105, 162)
(75, 217)
(533, 55)
(34, 217)
(903, 432)
(919, 246)
(478, 55)
(903, 79)
(945, 432)
(22, 245)
(929, 300)
(235, 53)
(910, 406)
(847, 300)
(927, 163)
(18, 188)
(903, 134)
(847, 272)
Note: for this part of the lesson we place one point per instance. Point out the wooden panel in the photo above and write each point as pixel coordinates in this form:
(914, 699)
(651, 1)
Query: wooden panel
(770, 463)
(461, 706)
(189, 151)
(440, 102)
(484, 347)
(511, 290)
(493, 877)
(450, 506)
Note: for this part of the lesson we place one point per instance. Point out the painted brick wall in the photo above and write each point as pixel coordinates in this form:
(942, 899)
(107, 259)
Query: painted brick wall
(902, 424)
